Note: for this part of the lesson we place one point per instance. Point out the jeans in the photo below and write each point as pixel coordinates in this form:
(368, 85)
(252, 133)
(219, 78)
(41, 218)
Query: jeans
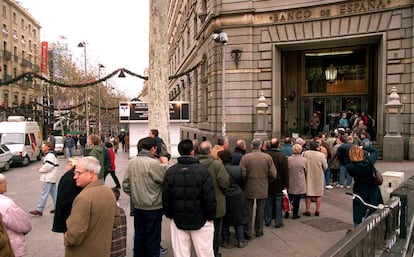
(342, 173)
(295, 200)
(68, 152)
(225, 232)
(334, 173)
(328, 176)
(147, 225)
(273, 202)
(47, 188)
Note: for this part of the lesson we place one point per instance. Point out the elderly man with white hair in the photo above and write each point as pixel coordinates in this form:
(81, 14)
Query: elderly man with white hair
(16, 220)
(94, 213)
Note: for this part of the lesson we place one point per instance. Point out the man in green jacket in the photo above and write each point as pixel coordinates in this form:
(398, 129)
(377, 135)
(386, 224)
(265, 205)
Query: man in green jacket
(94, 142)
(221, 182)
(143, 183)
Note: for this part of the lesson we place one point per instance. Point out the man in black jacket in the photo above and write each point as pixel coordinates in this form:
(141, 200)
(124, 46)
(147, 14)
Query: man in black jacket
(189, 201)
(276, 186)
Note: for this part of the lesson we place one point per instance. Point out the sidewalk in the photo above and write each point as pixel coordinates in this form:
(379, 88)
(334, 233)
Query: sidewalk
(304, 237)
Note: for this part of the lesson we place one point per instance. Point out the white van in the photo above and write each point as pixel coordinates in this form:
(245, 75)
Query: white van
(23, 138)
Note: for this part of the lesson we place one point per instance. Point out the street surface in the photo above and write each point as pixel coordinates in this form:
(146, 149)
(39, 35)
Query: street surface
(305, 237)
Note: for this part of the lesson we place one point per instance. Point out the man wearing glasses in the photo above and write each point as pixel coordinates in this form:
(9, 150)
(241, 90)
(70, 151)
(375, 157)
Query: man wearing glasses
(94, 213)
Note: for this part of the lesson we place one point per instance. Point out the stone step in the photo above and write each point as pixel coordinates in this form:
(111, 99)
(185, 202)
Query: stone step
(379, 147)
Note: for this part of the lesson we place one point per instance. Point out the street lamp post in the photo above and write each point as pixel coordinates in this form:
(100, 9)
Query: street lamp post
(221, 37)
(99, 100)
(83, 44)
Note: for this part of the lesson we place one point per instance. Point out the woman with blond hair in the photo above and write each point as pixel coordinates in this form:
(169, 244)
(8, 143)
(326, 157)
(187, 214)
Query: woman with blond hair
(361, 168)
(297, 178)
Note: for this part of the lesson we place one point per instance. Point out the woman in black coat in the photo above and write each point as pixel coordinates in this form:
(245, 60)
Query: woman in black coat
(236, 206)
(67, 191)
(361, 169)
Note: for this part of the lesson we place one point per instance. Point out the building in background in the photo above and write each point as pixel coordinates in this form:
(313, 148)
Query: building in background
(20, 52)
(305, 56)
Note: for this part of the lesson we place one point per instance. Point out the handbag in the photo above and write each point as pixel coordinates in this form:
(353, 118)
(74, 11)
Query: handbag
(285, 202)
(377, 176)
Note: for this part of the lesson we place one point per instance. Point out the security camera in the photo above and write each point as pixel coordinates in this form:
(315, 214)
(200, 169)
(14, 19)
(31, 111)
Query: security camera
(223, 37)
(216, 37)
(220, 37)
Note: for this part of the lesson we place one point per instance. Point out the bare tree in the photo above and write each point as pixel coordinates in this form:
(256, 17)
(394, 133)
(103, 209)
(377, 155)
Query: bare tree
(158, 106)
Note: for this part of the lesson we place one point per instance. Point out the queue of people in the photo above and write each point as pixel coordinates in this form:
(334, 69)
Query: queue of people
(209, 190)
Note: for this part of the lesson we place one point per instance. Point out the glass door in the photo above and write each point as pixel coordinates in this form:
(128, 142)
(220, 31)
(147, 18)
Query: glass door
(328, 110)
(333, 111)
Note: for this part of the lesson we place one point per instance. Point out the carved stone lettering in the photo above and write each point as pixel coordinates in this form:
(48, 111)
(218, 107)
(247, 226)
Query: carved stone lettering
(330, 10)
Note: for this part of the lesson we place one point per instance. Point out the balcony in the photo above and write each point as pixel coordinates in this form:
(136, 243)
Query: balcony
(26, 63)
(15, 58)
(6, 55)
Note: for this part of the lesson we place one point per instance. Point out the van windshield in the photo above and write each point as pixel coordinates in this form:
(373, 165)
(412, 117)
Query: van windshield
(12, 138)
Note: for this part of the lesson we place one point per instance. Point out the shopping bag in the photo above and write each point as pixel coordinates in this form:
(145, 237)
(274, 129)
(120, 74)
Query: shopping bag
(285, 202)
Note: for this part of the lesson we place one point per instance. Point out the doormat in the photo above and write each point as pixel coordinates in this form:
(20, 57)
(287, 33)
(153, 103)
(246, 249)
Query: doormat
(328, 224)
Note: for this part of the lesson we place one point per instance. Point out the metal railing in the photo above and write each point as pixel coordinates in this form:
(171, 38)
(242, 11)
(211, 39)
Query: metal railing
(374, 236)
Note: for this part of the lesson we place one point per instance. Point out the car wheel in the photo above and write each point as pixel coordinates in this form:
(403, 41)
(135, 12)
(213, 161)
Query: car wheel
(26, 161)
(6, 166)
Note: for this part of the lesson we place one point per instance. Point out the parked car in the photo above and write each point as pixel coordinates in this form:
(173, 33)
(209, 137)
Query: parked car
(6, 157)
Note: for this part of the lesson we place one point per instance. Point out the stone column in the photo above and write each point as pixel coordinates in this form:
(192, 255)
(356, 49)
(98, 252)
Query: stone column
(261, 113)
(393, 144)
(158, 105)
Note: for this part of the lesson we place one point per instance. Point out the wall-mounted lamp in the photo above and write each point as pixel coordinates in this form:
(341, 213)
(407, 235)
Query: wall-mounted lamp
(331, 73)
(236, 55)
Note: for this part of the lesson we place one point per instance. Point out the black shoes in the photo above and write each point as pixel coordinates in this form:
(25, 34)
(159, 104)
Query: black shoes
(279, 225)
(36, 213)
(259, 234)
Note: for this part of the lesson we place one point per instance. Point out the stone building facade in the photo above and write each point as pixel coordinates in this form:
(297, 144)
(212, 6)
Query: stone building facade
(20, 52)
(286, 50)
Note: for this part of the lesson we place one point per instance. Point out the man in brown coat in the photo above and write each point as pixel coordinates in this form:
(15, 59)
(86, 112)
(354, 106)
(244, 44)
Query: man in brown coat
(93, 216)
(257, 168)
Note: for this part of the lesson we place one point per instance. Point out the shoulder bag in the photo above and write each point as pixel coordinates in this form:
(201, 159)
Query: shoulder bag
(377, 176)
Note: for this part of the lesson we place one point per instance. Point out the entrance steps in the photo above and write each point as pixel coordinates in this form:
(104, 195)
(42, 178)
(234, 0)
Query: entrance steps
(377, 145)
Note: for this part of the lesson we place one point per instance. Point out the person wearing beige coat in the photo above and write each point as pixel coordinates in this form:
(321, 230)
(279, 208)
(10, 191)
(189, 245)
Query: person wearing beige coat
(257, 168)
(94, 214)
(315, 177)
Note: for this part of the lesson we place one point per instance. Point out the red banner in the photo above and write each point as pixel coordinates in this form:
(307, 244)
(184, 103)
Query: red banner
(44, 56)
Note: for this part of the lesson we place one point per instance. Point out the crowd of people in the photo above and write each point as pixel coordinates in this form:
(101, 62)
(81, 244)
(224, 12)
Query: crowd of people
(357, 122)
(206, 192)
(211, 188)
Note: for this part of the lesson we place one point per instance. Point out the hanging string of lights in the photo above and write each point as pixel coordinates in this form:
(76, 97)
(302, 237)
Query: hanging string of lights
(30, 75)
(32, 105)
